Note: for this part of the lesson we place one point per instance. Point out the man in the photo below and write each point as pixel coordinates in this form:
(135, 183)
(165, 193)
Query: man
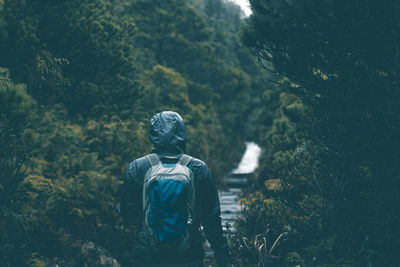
(168, 134)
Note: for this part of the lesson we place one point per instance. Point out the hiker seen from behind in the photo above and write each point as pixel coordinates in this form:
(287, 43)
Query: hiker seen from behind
(169, 195)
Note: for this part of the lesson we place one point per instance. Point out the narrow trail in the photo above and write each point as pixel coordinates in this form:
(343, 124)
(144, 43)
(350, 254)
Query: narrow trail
(238, 179)
(229, 197)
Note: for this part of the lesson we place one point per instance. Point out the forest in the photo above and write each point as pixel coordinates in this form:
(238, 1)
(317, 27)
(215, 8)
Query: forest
(314, 82)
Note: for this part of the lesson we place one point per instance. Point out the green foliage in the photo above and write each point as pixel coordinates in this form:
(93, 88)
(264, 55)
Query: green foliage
(15, 110)
(75, 51)
(88, 76)
(276, 210)
(16, 107)
(338, 161)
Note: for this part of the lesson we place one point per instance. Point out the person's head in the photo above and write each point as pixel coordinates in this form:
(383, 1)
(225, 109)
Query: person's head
(167, 132)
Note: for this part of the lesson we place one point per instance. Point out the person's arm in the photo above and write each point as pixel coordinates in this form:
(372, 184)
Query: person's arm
(209, 211)
(130, 206)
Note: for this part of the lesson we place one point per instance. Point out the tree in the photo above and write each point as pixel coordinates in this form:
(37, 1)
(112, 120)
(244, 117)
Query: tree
(15, 110)
(343, 54)
(75, 53)
(96, 71)
(15, 138)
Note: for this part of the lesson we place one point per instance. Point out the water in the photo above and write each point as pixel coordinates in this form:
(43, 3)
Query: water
(239, 178)
(249, 161)
(230, 196)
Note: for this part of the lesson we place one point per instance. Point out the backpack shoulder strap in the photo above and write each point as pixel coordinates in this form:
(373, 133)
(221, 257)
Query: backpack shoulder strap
(185, 159)
(153, 159)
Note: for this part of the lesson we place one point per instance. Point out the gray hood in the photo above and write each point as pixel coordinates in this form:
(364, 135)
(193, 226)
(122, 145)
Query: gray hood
(167, 132)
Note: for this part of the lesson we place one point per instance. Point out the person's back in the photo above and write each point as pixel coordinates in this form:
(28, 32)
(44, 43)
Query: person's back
(158, 202)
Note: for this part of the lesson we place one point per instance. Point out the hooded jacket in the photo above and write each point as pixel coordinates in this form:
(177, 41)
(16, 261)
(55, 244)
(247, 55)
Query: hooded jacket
(168, 134)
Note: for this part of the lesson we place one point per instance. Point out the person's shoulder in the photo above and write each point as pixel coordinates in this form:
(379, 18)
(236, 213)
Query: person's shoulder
(139, 167)
(200, 170)
(197, 165)
(197, 162)
(140, 160)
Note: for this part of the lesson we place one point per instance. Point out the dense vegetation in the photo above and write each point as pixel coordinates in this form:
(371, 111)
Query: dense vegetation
(329, 173)
(79, 81)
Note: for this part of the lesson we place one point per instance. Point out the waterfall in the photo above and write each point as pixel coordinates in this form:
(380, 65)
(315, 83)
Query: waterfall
(235, 181)
(249, 161)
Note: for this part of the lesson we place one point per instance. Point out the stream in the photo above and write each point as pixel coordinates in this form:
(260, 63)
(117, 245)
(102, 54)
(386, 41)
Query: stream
(229, 197)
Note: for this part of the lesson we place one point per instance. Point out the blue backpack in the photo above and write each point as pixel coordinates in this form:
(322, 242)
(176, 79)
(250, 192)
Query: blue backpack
(168, 204)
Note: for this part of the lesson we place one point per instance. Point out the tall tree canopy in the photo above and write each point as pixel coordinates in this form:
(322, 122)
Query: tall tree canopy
(80, 81)
(342, 60)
